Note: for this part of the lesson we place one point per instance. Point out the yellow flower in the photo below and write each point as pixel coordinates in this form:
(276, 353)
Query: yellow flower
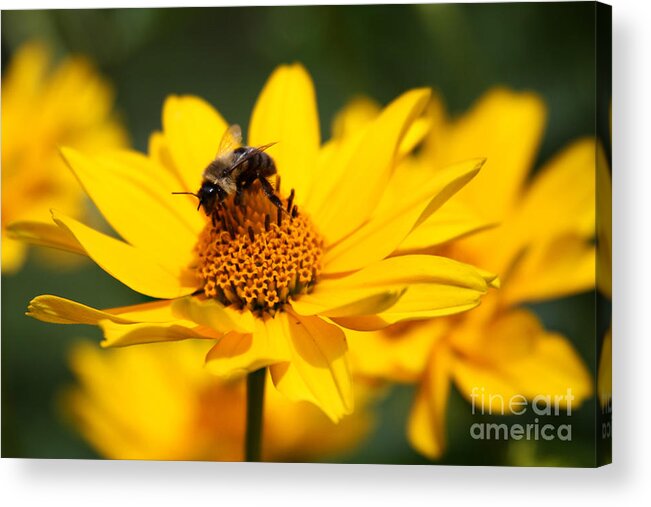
(605, 272)
(273, 289)
(537, 237)
(41, 110)
(605, 371)
(158, 403)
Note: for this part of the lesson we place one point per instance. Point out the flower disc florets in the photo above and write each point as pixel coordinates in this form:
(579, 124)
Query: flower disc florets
(255, 256)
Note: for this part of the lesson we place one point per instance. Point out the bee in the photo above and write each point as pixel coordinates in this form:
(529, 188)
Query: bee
(235, 169)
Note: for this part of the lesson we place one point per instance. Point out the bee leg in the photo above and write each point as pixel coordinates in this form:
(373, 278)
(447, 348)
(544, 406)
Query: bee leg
(269, 192)
(238, 197)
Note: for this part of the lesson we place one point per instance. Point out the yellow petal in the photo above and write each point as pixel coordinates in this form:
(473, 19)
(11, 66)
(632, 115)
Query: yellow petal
(367, 172)
(87, 97)
(337, 303)
(355, 116)
(415, 135)
(331, 164)
(348, 129)
(159, 153)
(408, 270)
(475, 366)
(192, 130)
(13, 254)
(288, 381)
(64, 311)
(27, 71)
(488, 335)
(488, 130)
(318, 353)
(96, 409)
(122, 335)
(237, 354)
(568, 181)
(550, 270)
(422, 301)
(473, 378)
(426, 430)
(286, 113)
(553, 367)
(44, 234)
(491, 248)
(452, 221)
(604, 225)
(517, 356)
(435, 286)
(59, 310)
(141, 271)
(383, 233)
(212, 314)
(140, 402)
(605, 372)
(154, 311)
(425, 301)
(361, 111)
(398, 353)
(135, 197)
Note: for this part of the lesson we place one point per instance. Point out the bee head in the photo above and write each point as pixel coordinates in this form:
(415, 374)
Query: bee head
(209, 195)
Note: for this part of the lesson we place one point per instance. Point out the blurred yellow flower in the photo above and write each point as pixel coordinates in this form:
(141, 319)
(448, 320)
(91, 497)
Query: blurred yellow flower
(605, 372)
(43, 109)
(271, 289)
(158, 403)
(537, 236)
(605, 272)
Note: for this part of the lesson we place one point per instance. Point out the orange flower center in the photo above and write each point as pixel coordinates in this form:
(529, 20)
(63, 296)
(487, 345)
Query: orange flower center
(256, 256)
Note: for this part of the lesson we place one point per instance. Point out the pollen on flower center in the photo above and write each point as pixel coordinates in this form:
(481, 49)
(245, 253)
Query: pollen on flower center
(255, 256)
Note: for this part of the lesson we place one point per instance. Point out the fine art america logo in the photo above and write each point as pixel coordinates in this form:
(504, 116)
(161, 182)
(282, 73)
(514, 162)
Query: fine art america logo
(544, 406)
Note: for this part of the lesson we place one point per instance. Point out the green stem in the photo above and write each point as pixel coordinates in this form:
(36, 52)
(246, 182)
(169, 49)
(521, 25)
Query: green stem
(254, 409)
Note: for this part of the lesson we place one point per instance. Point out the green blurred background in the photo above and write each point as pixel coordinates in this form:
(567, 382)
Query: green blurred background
(224, 55)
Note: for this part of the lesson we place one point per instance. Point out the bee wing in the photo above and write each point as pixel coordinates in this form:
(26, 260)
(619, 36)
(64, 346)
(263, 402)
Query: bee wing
(231, 140)
(260, 149)
(250, 154)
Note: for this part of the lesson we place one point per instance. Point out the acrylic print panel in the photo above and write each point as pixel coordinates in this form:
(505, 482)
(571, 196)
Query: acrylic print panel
(383, 238)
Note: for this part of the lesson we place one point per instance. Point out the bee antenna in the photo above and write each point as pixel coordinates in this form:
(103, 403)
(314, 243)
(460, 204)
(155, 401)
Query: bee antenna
(185, 193)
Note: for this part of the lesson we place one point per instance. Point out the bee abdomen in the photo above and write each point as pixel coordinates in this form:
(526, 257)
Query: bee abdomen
(266, 164)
